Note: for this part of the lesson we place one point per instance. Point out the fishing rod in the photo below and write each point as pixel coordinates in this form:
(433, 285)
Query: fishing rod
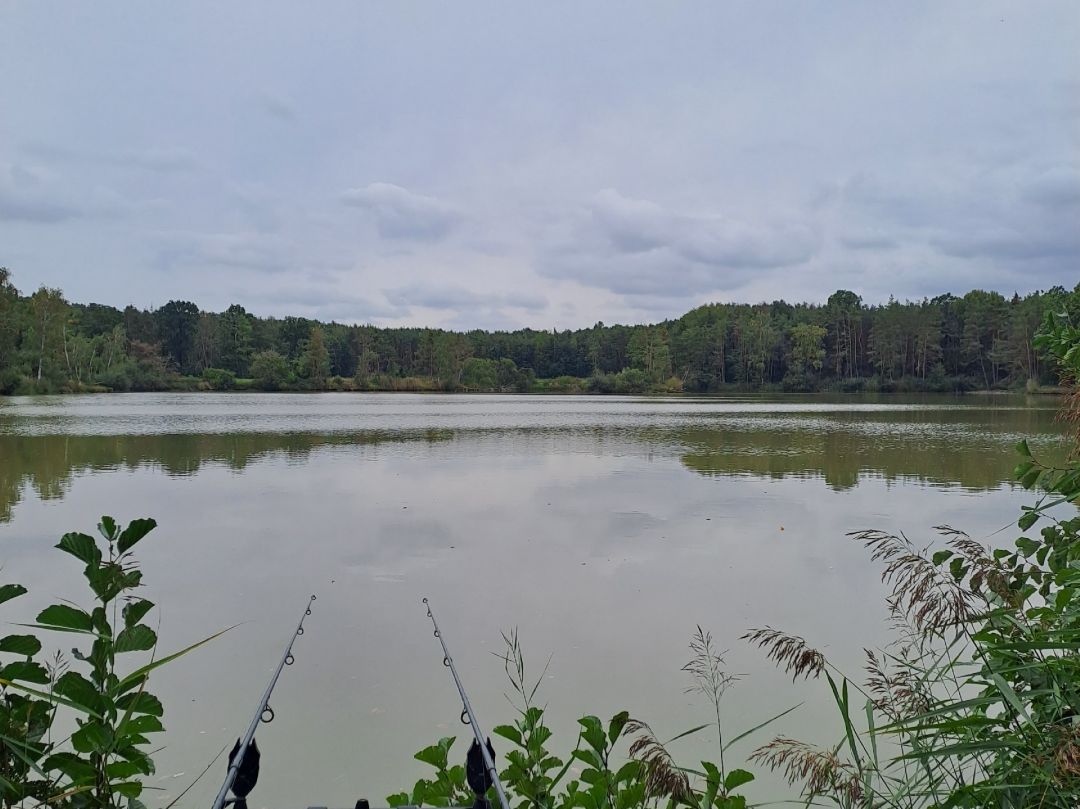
(264, 713)
(469, 718)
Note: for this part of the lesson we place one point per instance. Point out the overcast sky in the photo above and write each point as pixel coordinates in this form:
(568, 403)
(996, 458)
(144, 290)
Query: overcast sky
(502, 164)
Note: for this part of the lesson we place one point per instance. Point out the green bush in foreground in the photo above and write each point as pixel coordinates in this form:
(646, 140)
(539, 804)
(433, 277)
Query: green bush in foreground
(102, 764)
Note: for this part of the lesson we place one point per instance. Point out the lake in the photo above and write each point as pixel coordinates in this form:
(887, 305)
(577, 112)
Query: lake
(605, 529)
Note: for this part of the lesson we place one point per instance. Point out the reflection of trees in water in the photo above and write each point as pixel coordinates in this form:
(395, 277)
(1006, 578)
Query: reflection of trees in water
(947, 447)
(970, 447)
(50, 463)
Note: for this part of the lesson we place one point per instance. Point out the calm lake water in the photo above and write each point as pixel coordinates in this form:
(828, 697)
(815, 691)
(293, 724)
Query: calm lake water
(605, 529)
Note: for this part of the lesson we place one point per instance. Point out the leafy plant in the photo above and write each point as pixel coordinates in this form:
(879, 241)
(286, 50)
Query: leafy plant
(532, 773)
(104, 762)
(448, 788)
(535, 778)
(25, 720)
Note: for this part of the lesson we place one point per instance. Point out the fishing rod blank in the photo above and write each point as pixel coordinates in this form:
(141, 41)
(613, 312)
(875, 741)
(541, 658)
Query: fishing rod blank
(467, 711)
(264, 713)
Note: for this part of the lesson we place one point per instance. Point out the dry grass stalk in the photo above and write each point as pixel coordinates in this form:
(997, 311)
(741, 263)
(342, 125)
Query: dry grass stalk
(931, 599)
(820, 772)
(788, 651)
(707, 668)
(899, 694)
(663, 778)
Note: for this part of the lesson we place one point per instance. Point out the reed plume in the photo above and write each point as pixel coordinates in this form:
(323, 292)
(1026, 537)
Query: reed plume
(788, 651)
(930, 598)
(820, 772)
(663, 778)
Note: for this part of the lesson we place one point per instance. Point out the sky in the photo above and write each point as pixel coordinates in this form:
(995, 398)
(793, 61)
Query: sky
(509, 164)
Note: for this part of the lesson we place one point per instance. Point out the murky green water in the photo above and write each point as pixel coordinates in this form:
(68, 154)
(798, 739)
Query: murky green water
(605, 529)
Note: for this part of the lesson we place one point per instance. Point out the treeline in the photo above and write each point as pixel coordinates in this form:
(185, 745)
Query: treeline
(982, 340)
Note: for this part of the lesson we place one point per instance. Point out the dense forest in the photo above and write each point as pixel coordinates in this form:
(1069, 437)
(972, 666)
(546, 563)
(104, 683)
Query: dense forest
(982, 340)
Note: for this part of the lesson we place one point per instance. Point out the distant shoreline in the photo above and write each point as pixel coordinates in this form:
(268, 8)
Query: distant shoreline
(194, 385)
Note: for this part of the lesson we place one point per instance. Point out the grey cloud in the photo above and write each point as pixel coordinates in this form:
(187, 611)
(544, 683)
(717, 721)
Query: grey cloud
(249, 251)
(868, 241)
(638, 247)
(156, 159)
(401, 214)
(890, 153)
(1012, 244)
(27, 196)
(277, 107)
(451, 297)
(638, 226)
(1057, 188)
(1012, 214)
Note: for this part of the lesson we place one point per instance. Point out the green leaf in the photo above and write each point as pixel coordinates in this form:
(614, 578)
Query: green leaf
(26, 672)
(141, 702)
(64, 617)
(145, 724)
(1022, 448)
(107, 527)
(122, 769)
(134, 611)
(1030, 478)
(1022, 469)
(135, 531)
(736, 778)
(590, 757)
(10, 591)
(25, 645)
(1010, 696)
(593, 733)
(129, 789)
(80, 691)
(941, 556)
(841, 698)
(138, 638)
(92, 737)
(82, 547)
(508, 732)
(1027, 546)
(436, 754)
(1028, 519)
(616, 725)
(42, 695)
(71, 765)
(590, 776)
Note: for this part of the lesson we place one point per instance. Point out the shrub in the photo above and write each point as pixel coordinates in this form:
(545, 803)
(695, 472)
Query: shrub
(270, 370)
(219, 378)
(102, 764)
